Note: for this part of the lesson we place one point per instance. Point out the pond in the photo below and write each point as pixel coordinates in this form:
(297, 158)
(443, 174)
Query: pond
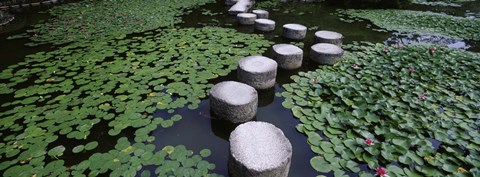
(184, 130)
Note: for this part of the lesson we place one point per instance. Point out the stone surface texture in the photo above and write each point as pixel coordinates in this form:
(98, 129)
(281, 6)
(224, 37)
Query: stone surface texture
(233, 101)
(260, 13)
(257, 71)
(259, 149)
(246, 18)
(241, 6)
(329, 37)
(288, 56)
(294, 31)
(325, 53)
(265, 25)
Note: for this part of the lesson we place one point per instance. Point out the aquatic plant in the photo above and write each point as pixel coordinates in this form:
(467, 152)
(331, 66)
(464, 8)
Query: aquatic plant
(65, 93)
(93, 20)
(453, 3)
(383, 114)
(419, 22)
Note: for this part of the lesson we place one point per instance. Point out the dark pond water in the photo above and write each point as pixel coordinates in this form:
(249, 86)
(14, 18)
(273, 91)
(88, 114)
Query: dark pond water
(197, 130)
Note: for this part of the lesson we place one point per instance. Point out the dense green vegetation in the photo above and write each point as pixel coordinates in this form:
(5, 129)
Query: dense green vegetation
(413, 110)
(104, 19)
(67, 92)
(419, 22)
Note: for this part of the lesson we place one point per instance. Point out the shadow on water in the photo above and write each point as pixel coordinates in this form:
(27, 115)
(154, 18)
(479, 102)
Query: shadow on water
(198, 131)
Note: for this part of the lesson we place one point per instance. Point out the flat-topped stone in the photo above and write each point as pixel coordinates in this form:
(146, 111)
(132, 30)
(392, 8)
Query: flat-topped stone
(328, 37)
(259, 149)
(233, 101)
(260, 13)
(265, 25)
(326, 53)
(257, 71)
(241, 6)
(294, 31)
(230, 2)
(246, 18)
(288, 56)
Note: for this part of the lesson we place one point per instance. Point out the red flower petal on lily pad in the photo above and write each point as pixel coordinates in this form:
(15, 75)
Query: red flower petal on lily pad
(382, 172)
(369, 142)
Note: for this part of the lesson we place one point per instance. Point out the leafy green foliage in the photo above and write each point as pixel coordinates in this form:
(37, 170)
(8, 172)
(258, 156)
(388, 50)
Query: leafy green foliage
(419, 22)
(413, 106)
(267, 4)
(104, 19)
(120, 81)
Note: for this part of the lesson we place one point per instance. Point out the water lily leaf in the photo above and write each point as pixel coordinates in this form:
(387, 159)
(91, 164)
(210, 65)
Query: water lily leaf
(78, 148)
(205, 152)
(319, 164)
(91, 145)
(56, 151)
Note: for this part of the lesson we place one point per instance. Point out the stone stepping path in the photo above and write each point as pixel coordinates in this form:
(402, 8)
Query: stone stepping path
(233, 101)
(264, 25)
(325, 53)
(288, 56)
(294, 31)
(259, 149)
(246, 18)
(328, 37)
(257, 71)
(260, 13)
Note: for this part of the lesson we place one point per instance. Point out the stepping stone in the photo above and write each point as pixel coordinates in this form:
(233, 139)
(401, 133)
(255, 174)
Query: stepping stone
(259, 149)
(325, 53)
(230, 2)
(241, 6)
(257, 71)
(328, 37)
(246, 18)
(265, 25)
(288, 56)
(260, 13)
(233, 101)
(294, 31)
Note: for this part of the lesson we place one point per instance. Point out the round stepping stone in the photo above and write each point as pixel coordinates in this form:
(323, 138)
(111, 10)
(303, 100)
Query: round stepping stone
(265, 25)
(325, 53)
(260, 13)
(288, 56)
(294, 31)
(257, 71)
(328, 37)
(246, 18)
(259, 149)
(233, 101)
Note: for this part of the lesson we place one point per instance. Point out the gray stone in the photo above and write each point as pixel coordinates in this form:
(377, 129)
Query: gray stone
(288, 56)
(246, 18)
(230, 2)
(259, 149)
(241, 6)
(325, 53)
(265, 25)
(233, 101)
(294, 31)
(257, 71)
(328, 37)
(260, 13)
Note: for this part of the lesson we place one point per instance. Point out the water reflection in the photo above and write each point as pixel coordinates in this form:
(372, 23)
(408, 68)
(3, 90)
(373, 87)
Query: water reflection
(410, 38)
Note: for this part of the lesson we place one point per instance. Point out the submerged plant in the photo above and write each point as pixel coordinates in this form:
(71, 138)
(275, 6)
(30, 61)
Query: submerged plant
(420, 22)
(93, 20)
(425, 122)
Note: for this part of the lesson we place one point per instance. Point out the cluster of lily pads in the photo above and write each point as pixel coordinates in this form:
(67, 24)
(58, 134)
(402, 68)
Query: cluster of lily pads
(398, 110)
(93, 20)
(122, 82)
(267, 4)
(418, 22)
